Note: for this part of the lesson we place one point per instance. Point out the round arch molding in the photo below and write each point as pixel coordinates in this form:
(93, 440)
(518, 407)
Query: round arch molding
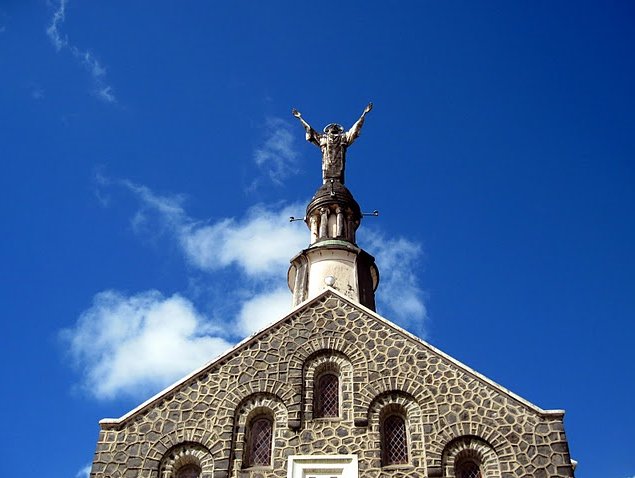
(439, 443)
(397, 400)
(249, 407)
(331, 360)
(196, 437)
(404, 384)
(474, 449)
(187, 454)
(349, 350)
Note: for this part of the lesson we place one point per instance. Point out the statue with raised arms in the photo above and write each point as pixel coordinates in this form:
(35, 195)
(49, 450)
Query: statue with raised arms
(333, 143)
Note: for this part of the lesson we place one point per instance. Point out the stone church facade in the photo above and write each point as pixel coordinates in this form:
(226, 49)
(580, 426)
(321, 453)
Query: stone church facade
(334, 390)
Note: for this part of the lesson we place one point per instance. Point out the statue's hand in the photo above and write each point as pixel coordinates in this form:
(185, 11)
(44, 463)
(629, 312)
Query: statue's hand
(368, 108)
(295, 113)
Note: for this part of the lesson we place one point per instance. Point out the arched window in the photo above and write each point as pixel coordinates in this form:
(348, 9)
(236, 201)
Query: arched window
(186, 460)
(259, 440)
(327, 396)
(468, 469)
(188, 471)
(394, 440)
(470, 456)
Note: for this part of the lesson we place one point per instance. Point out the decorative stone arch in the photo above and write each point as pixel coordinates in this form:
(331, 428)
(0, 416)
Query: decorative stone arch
(407, 384)
(470, 448)
(357, 357)
(188, 453)
(453, 433)
(217, 431)
(251, 406)
(406, 405)
(328, 360)
(239, 395)
(179, 437)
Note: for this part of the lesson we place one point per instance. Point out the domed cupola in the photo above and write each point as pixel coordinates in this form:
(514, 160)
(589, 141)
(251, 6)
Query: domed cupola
(333, 213)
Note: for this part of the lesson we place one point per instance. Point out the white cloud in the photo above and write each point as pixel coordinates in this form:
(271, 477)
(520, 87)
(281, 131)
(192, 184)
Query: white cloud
(399, 291)
(133, 344)
(129, 344)
(262, 310)
(259, 244)
(277, 156)
(87, 59)
(106, 94)
(53, 32)
(262, 243)
(84, 472)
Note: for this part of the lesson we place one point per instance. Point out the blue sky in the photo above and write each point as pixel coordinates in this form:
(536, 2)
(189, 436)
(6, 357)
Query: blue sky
(150, 160)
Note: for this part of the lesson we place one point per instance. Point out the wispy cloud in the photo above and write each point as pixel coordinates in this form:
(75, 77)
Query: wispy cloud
(84, 472)
(53, 32)
(401, 297)
(37, 93)
(258, 244)
(3, 19)
(87, 59)
(277, 157)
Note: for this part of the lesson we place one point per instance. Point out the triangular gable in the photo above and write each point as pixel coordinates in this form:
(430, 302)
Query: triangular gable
(109, 423)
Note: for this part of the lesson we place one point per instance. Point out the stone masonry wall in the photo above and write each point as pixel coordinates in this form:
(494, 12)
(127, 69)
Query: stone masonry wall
(450, 411)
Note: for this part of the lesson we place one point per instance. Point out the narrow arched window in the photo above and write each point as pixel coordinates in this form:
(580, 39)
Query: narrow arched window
(394, 440)
(327, 396)
(188, 471)
(259, 439)
(468, 469)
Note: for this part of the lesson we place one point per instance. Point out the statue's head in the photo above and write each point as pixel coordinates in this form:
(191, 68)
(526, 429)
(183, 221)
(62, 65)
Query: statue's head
(334, 129)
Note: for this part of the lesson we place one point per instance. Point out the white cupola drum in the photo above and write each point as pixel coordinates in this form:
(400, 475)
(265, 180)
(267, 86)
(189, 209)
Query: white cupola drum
(333, 258)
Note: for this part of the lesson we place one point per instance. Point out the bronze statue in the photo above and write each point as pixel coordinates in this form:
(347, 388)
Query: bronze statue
(333, 144)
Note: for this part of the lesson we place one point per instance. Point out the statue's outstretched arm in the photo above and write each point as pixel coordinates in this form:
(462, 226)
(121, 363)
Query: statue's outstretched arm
(311, 134)
(353, 133)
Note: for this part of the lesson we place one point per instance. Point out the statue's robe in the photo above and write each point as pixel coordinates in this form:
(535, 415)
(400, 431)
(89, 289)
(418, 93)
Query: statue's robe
(333, 151)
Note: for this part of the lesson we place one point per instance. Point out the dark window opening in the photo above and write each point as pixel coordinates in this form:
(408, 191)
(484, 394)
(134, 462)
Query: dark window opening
(468, 469)
(394, 440)
(188, 471)
(327, 396)
(259, 437)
